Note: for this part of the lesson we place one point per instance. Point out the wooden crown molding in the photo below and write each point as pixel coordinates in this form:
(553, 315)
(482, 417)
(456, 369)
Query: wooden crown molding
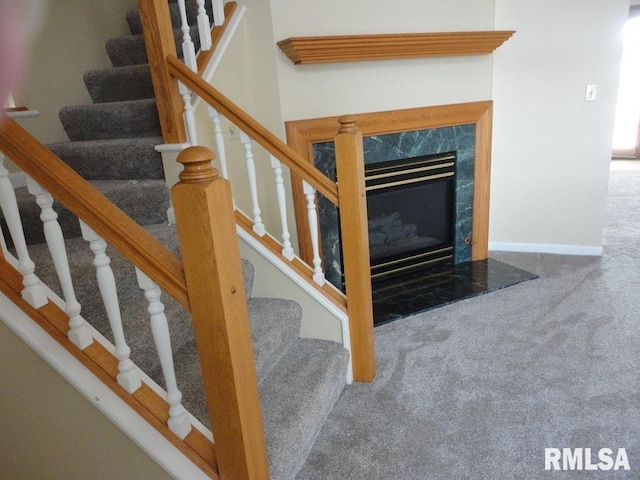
(351, 48)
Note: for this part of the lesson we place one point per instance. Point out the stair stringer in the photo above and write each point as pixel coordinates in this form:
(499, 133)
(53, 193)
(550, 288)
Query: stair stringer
(153, 443)
(322, 319)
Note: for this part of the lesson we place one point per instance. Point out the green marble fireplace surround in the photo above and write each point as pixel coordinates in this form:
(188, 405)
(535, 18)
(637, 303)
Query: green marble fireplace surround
(459, 139)
(464, 129)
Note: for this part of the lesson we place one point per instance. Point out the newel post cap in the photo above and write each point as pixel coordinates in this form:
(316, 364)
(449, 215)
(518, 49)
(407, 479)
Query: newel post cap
(197, 164)
(347, 124)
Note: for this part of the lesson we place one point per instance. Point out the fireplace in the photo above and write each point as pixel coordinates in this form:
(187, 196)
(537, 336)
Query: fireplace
(418, 261)
(410, 206)
(407, 174)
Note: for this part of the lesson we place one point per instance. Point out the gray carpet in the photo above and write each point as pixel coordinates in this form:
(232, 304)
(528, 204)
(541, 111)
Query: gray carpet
(478, 389)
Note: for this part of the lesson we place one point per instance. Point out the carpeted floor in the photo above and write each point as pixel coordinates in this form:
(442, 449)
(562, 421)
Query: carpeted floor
(478, 389)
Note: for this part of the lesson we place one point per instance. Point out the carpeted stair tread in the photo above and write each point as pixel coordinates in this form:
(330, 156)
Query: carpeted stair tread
(296, 398)
(248, 274)
(275, 326)
(115, 159)
(130, 119)
(145, 201)
(117, 84)
(131, 50)
(296, 401)
(135, 25)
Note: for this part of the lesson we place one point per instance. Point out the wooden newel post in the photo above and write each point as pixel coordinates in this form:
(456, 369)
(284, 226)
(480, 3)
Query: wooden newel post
(211, 257)
(158, 38)
(355, 247)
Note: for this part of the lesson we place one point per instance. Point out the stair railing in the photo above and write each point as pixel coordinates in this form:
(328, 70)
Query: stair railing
(210, 286)
(174, 76)
(176, 114)
(350, 199)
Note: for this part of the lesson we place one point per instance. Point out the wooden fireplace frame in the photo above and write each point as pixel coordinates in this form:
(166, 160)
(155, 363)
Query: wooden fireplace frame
(302, 134)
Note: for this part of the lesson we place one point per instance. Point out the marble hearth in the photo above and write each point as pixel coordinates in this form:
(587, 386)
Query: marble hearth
(464, 129)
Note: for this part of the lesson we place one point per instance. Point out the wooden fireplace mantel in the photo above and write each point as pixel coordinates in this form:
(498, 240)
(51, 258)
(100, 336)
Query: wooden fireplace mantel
(351, 48)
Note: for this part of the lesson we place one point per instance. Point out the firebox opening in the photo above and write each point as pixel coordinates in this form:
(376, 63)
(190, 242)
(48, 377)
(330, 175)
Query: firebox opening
(411, 214)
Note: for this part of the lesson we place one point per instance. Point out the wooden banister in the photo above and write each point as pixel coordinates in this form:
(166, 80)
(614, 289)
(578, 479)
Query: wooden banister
(96, 210)
(159, 42)
(204, 57)
(207, 230)
(355, 247)
(298, 165)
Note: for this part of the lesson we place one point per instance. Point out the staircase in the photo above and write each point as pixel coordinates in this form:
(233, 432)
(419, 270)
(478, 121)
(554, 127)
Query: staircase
(111, 144)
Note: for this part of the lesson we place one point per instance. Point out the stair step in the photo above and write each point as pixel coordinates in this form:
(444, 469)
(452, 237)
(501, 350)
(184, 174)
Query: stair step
(145, 201)
(135, 25)
(133, 118)
(113, 159)
(118, 84)
(130, 50)
(296, 398)
(248, 274)
(296, 401)
(275, 326)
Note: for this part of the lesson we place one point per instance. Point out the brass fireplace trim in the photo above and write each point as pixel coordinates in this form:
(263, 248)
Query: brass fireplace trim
(302, 134)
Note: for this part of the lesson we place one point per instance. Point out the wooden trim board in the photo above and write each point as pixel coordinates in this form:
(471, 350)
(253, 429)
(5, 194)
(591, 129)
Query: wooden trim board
(302, 134)
(351, 48)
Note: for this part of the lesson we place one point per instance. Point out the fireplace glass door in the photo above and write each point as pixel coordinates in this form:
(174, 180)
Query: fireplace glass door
(411, 217)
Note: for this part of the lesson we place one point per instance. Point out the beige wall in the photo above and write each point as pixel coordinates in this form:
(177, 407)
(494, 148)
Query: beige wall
(50, 431)
(537, 79)
(309, 91)
(551, 148)
(71, 40)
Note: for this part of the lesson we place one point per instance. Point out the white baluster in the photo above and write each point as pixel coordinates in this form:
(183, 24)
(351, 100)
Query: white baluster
(33, 292)
(79, 332)
(128, 377)
(188, 49)
(287, 249)
(220, 146)
(189, 116)
(3, 243)
(258, 226)
(218, 12)
(179, 421)
(312, 213)
(204, 28)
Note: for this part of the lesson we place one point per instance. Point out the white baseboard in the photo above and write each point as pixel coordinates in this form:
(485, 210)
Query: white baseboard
(546, 248)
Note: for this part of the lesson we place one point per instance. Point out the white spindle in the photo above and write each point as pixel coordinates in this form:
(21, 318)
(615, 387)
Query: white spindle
(220, 146)
(189, 116)
(204, 28)
(218, 12)
(33, 292)
(312, 213)
(179, 421)
(79, 332)
(287, 249)
(3, 243)
(127, 377)
(188, 49)
(258, 226)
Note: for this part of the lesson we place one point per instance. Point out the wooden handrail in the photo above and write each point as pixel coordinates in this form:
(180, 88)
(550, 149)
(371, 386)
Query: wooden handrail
(298, 165)
(96, 210)
(204, 57)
